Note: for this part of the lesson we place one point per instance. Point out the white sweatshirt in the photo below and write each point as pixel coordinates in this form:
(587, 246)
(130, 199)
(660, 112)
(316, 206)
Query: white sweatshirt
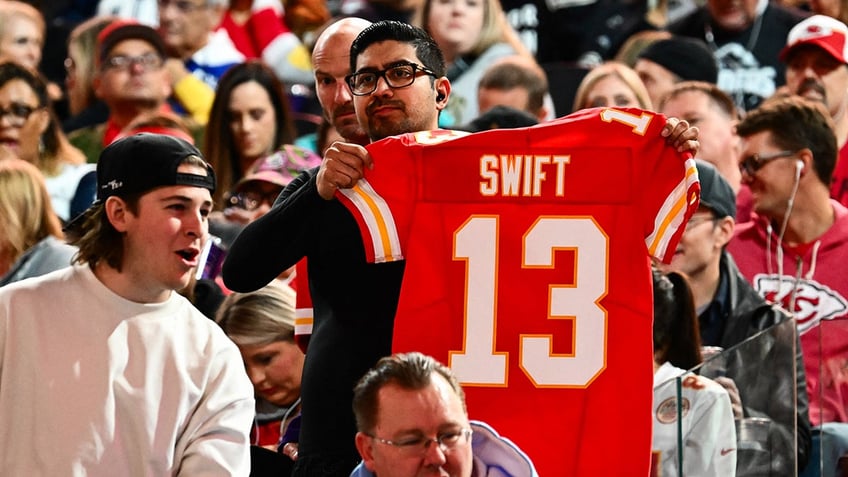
(93, 384)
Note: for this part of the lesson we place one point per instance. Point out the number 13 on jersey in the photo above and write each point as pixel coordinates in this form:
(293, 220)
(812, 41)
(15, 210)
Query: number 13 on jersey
(479, 363)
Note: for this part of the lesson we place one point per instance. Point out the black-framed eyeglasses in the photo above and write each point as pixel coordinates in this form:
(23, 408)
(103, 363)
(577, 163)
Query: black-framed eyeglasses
(184, 6)
(18, 113)
(147, 61)
(447, 441)
(751, 164)
(398, 76)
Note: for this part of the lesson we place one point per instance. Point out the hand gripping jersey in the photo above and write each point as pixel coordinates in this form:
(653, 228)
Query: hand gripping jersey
(527, 272)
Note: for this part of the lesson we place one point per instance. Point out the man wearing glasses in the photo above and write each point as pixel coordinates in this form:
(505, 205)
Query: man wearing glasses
(130, 79)
(399, 86)
(729, 312)
(795, 250)
(411, 415)
(354, 303)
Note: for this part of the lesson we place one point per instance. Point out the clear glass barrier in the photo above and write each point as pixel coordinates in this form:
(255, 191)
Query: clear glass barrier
(760, 374)
(825, 346)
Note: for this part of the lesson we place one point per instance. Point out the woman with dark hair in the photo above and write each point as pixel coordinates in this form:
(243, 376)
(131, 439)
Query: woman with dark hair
(29, 129)
(250, 119)
(707, 431)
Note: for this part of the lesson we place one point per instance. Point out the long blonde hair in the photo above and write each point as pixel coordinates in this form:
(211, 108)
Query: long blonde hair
(26, 214)
(496, 28)
(620, 71)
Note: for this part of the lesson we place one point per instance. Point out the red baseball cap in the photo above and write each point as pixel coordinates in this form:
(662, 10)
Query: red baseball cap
(124, 29)
(822, 31)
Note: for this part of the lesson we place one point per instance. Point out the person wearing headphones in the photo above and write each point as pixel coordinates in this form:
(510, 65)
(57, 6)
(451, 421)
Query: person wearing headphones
(794, 250)
(730, 312)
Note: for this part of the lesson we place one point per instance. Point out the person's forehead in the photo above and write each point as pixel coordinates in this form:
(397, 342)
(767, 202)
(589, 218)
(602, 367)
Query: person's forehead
(808, 52)
(131, 46)
(200, 195)
(688, 102)
(23, 24)
(419, 408)
(334, 48)
(385, 53)
(757, 140)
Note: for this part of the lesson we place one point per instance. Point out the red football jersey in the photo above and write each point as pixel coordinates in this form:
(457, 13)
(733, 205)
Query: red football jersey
(303, 315)
(528, 273)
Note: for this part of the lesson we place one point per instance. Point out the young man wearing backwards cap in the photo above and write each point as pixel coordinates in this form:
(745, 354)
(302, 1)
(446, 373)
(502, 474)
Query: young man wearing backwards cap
(816, 54)
(104, 368)
(729, 312)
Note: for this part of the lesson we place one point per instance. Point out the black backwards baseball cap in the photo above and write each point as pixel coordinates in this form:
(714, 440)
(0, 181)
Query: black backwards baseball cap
(136, 164)
(716, 193)
(688, 58)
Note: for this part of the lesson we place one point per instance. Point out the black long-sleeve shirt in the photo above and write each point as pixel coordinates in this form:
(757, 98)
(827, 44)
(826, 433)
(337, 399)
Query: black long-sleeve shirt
(354, 304)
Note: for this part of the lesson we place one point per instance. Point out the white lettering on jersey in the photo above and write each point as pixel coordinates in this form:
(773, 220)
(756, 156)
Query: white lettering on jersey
(515, 175)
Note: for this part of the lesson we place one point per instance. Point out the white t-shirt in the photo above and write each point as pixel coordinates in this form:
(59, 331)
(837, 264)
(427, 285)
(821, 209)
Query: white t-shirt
(94, 384)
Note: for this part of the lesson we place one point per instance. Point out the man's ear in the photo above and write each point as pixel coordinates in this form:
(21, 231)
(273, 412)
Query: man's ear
(724, 231)
(443, 88)
(365, 446)
(117, 212)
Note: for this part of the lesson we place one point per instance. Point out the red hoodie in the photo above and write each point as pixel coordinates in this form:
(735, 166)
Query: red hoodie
(812, 283)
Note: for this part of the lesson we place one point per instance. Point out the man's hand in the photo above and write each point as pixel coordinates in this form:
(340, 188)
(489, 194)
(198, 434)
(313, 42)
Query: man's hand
(344, 164)
(177, 69)
(679, 134)
(733, 391)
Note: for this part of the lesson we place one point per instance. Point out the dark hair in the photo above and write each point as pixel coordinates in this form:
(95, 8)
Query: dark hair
(9, 70)
(220, 148)
(509, 74)
(676, 336)
(412, 371)
(796, 123)
(426, 49)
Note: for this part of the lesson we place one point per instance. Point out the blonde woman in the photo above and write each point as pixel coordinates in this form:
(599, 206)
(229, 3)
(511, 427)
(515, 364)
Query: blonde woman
(32, 242)
(85, 108)
(472, 34)
(261, 324)
(612, 84)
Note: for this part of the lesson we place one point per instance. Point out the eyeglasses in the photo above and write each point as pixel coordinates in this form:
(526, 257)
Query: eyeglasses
(447, 442)
(251, 200)
(698, 220)
(399, 76)
(751, 164)
(18, 113)
(184, 6)
(147, 61)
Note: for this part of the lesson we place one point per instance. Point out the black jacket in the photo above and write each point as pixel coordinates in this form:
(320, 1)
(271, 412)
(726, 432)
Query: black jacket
(354, 304)
(758, 339)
